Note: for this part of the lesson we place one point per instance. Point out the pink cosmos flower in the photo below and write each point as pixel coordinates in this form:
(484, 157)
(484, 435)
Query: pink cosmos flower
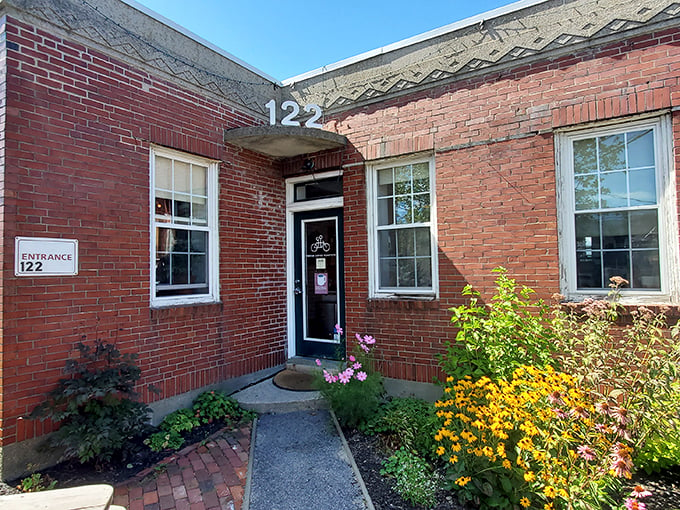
(586, 452)
(344, 377)
(365, 348)
(318, 362)
(330, 378)
(361, 376)
(356, 366)
(640, 492)
(352, 358)
(369, 340)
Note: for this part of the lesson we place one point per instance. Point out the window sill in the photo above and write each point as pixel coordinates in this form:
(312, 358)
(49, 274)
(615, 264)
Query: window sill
(403, 302)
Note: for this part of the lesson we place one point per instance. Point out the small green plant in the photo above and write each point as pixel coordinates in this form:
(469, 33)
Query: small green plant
(182, 420)
(96, 404)
(36, 482)
(164, 440)
(414, 479)
(213, 405)
(495, 339)
(407, 422)
(354, 393)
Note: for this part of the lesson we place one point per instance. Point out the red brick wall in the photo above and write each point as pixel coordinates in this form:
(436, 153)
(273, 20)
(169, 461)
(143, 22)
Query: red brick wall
(79, 128)
(495, 178)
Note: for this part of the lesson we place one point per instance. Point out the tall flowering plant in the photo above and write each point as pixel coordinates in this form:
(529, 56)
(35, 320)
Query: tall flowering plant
(535, 441)
(354, 391)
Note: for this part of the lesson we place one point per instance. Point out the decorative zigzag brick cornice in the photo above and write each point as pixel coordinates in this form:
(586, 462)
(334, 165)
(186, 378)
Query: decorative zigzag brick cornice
(542, 31)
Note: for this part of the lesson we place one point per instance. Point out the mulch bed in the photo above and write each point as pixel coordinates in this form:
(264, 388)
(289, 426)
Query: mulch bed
(369, 456)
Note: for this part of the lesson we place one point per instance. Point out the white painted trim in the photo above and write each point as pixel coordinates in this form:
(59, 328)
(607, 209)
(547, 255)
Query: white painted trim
(213, 230)
(371, 201)
(293, 207)
(458, 25)
(669, 253)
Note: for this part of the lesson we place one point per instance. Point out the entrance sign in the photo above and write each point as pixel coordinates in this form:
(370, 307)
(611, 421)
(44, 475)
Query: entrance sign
(44, 256)
(293, 110)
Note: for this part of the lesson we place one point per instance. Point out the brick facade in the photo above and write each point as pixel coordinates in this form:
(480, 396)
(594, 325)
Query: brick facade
(79, 120)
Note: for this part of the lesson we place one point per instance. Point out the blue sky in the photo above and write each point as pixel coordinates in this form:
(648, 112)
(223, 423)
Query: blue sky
(287, 38)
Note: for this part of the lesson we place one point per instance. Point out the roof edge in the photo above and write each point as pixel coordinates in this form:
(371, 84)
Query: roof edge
(452, 27)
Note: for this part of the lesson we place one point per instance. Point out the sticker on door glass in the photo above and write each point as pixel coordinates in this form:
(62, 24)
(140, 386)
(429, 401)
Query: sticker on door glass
(320, 283)
(321, 263)
(320, 244)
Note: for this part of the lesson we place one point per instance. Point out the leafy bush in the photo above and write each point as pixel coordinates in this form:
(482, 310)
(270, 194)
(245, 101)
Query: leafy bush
(631, 367)
(408, 422)
(414, 479)
(96, 405)
(495, 339)
(36, 482)
(213, 405)
(209, 406)
(354, 393)
(536, 440)
(659, 452)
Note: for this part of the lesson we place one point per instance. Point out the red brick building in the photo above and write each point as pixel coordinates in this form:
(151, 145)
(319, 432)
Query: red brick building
(164, 196)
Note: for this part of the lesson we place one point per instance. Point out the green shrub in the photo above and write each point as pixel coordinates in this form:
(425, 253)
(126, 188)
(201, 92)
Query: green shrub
(407, 422)
(213, 405)
(414, 479)
(659, 452)
(497, 338)
(182, 420)
(631, 365)
(36, 482)
(164, 440)
(96, 405)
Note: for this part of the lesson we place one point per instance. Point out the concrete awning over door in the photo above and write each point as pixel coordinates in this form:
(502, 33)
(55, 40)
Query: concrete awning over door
(284, 141)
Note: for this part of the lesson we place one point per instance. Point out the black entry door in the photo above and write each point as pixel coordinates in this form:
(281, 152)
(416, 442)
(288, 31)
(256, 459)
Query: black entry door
(319, 283)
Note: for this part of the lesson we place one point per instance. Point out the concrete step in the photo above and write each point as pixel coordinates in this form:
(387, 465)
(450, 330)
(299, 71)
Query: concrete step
(308, 365)
(265, 397)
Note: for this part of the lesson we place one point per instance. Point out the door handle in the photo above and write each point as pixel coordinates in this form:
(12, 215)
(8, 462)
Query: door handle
(298, 288)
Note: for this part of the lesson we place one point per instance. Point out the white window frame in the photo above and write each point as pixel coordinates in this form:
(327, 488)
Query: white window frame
(212, 296)
(373, 256)
(667, 210)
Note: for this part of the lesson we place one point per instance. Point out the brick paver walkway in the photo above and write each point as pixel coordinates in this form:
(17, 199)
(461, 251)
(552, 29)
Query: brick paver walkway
(210, 475)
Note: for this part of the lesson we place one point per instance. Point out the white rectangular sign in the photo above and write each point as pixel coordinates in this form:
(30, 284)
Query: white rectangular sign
(44, 256)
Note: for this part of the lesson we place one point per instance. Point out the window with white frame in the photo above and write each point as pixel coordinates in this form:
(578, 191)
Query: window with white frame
(403, 235)
(184, 228)
(616, 209)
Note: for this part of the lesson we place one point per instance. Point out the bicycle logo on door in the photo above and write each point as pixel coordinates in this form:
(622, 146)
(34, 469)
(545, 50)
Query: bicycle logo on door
(320, 244)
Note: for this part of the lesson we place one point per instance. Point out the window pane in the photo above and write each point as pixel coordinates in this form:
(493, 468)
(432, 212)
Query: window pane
(421, 208)
(644, 229)
(646, 273)
(163, 169)
(199, 268)
(162, 268)
(585, 192)
(640, 148)
(180, 269)
(405, 243)
(421, 178)
(163, 209)
(199, 242)
(612, 152)
(198, 180)
(585, 156)
(407, 273)
(402, 177)
(199, 212)
(423, 245)
(388, 272)
(181, 241)
(385, 211)
(182, 178)
(616, 263)
(182, 208)
(587, 231)
(424, 272)
(613, 189)
(589, 270)
(615, 231)
(402, 210)
(385, 182)
(387, 244)
(642, 187)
